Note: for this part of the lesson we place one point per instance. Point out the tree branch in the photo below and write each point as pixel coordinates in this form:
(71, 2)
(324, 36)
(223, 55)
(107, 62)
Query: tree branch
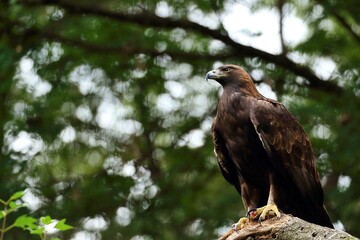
(149, 19)
(126, 49)
(280, 6)
(285, 228)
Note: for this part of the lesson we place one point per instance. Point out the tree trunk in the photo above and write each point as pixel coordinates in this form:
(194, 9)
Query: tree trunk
(286, 227)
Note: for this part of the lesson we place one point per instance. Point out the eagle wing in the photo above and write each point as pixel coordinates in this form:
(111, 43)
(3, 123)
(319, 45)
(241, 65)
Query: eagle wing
(288, 147)
(226, 165)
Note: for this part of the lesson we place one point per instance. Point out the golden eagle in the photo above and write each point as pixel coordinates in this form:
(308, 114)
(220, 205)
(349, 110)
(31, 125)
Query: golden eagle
(264, 152)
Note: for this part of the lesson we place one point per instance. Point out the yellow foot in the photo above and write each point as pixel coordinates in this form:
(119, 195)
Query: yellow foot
(269, 211)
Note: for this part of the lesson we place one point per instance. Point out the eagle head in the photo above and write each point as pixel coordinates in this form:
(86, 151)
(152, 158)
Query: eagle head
(233, 77)
(228, 73)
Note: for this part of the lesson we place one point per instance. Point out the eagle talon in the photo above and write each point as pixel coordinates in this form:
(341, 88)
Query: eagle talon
(252, 213)
(240, 224)
(234, 226)
(265, 211)
(259, 220)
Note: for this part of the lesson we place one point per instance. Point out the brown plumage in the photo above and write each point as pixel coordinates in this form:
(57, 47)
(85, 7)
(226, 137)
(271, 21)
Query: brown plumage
(263, 151)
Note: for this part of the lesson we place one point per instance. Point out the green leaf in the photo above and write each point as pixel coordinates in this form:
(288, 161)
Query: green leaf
(46, 220)
(13, 205)
(17, 195)
(25, 221)
(37, 231)
(2, 214)
(62, 226)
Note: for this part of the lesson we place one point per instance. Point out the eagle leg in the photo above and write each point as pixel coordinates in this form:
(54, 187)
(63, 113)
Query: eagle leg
(270, 209)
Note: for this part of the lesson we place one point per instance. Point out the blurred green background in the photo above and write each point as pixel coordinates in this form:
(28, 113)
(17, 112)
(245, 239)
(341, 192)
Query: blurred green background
(105, 115)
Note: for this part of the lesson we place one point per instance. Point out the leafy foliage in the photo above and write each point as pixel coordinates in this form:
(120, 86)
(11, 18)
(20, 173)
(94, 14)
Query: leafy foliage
(105, 117)
(26, 222)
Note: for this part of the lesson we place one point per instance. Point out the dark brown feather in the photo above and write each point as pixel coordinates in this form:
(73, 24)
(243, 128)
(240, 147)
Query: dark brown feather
(258, 143)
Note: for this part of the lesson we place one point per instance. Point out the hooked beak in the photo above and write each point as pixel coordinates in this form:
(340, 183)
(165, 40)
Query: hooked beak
(213, 74)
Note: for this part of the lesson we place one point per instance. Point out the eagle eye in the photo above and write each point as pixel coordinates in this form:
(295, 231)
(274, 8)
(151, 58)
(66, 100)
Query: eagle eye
(226, 69)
